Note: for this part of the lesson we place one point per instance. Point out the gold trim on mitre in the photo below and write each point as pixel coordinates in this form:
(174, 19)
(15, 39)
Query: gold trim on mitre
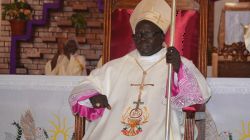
(156, 11)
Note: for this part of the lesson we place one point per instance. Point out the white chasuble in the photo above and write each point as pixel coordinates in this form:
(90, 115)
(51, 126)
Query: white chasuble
(129, 117)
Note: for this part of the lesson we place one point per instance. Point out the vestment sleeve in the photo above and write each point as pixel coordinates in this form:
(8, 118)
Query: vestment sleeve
(82, 62)
(90, 86)
(100, 81)
(190, 88)
(48, 70)
(84, 111)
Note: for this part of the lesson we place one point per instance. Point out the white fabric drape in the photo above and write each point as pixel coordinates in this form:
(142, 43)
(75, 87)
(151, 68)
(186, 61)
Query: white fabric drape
(229, 107)
(46, 97)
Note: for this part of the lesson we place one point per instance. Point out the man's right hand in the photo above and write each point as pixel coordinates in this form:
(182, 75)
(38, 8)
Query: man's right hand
(100, 101)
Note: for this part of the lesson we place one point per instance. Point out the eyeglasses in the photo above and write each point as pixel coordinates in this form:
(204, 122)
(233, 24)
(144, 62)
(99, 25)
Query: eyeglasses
(145, 35)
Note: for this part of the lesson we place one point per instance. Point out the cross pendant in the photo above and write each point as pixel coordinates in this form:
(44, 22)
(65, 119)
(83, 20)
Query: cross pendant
(138, 103)
(142, 85)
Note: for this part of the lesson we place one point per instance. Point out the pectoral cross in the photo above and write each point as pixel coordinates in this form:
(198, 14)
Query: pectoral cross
(133, 118)
(138, 103)
(141, 87)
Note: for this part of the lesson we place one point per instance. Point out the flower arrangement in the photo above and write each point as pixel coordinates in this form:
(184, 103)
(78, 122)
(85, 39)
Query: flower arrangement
(18, 10)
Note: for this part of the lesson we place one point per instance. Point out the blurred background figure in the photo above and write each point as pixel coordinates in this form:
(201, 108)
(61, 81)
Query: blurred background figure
(66, 61)
(99, 63)
(247, 36)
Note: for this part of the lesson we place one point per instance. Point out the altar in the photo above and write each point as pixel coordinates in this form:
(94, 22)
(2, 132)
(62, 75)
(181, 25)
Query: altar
(229, 107)
(37, 107)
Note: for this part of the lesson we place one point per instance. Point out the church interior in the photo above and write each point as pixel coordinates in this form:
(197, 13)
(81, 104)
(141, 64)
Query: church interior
(214, 34)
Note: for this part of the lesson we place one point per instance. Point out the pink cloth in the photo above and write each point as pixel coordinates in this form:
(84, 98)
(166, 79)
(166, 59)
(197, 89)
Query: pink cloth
(83, 111)
(187, 92)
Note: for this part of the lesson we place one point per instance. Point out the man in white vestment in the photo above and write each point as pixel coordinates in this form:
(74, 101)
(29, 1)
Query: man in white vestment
(125, 99)
(66, 61)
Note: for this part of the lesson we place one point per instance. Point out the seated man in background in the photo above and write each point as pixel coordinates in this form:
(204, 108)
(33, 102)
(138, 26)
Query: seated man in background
(66, 61)
(126, 97)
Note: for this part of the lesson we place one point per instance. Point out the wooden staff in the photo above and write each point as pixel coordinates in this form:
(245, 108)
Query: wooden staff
(170, 72)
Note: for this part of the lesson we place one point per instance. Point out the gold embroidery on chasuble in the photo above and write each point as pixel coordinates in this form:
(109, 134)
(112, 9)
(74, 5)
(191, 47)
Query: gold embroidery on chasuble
(134, 117)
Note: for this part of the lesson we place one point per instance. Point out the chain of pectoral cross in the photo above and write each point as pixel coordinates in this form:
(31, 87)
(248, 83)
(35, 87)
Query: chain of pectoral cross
(142, 85)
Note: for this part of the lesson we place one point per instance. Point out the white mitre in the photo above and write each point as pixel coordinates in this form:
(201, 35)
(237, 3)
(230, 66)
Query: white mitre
(156, 11)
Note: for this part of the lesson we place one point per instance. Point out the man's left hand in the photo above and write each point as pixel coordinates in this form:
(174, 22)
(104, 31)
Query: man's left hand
(174, 58)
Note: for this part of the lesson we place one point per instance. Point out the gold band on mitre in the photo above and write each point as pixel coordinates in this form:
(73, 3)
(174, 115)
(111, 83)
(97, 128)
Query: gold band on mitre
(156, 11)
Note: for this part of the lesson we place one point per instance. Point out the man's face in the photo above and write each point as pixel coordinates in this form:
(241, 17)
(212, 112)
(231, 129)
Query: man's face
(148, 38)
(70, 47)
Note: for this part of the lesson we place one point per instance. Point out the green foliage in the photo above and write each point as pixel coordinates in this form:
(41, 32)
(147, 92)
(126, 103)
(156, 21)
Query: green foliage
(19, 10)
(78, 21)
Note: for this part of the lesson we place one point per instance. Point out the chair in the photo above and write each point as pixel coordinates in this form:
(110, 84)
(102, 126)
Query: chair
(111, 5)
(231, 60)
